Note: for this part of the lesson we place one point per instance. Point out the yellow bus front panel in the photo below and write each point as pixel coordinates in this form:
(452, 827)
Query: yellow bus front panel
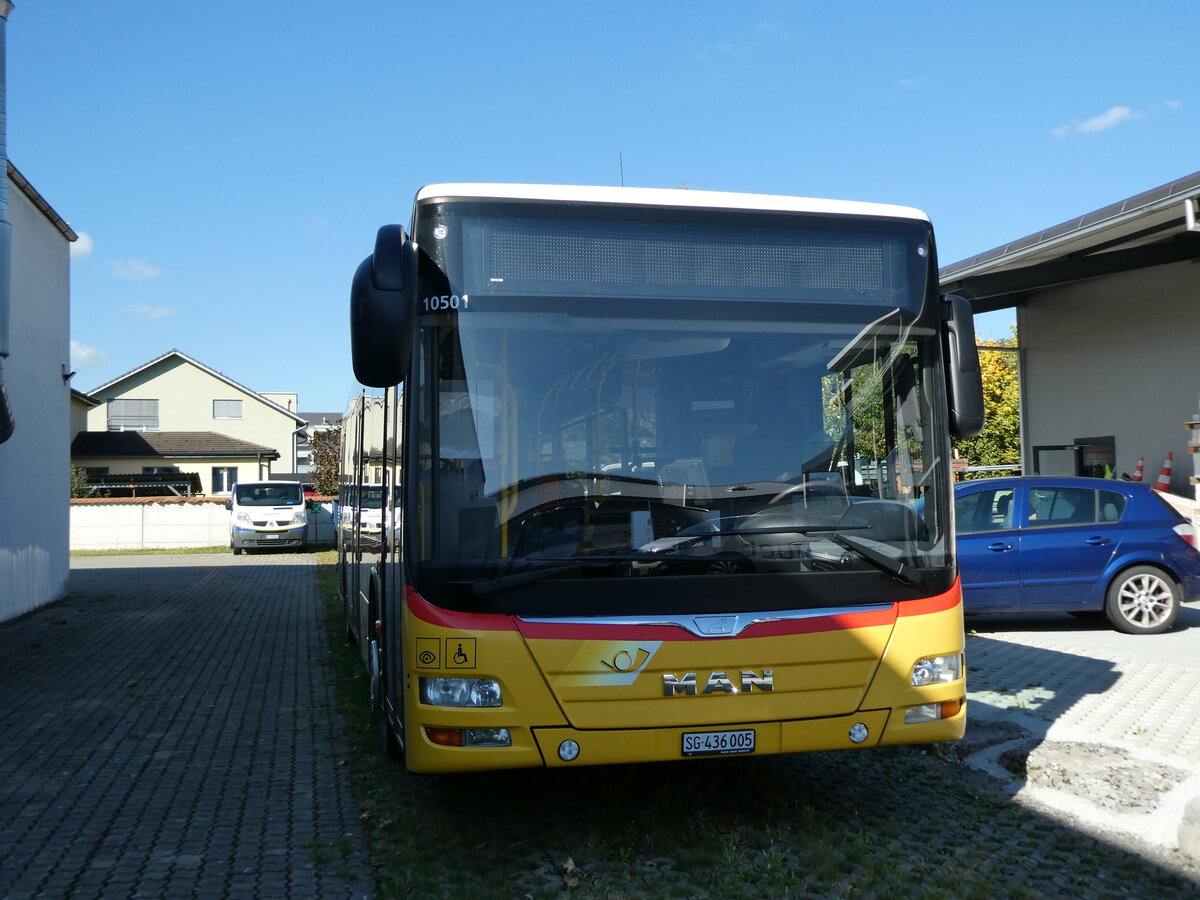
(580, 693)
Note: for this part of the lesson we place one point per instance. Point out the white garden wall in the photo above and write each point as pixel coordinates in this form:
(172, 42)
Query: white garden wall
(143, 524)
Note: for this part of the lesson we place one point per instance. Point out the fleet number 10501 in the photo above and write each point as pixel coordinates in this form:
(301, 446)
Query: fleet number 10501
(446, 302)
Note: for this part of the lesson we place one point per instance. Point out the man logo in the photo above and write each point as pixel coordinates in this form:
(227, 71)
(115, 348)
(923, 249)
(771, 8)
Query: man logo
(718, 683)
(712, 626)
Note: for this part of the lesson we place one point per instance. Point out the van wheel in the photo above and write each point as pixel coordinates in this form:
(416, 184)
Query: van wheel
(236, 550)
(1142, 600)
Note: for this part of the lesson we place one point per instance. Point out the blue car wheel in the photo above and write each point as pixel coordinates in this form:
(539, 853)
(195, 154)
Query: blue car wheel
(1142, 600)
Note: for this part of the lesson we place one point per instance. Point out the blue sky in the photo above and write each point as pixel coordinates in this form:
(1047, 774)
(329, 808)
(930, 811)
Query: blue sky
(227, 165)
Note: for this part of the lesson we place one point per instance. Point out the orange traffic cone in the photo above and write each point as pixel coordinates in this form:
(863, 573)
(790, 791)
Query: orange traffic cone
(1164, 477)
(1137, 473)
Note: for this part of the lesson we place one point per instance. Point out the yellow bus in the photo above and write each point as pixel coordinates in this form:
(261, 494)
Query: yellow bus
(664, 475)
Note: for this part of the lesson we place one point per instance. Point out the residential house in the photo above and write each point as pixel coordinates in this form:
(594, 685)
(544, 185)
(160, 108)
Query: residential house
(34, 463)
(175, 414)
(317, 422)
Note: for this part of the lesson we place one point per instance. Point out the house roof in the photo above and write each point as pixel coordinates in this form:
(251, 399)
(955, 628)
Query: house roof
(199, 365)
(322, 418)
(15, 176)
(1152, 228)
(89, 444)
(84, 398)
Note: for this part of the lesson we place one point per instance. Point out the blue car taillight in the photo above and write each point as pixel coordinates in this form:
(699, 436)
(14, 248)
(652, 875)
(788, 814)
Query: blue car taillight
(1187, 531)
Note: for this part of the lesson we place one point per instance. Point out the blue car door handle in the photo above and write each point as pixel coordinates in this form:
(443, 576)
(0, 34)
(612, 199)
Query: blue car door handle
(1098, 541)
(999, 546)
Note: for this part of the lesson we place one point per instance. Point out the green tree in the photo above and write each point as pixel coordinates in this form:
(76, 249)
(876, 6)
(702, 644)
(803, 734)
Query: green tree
(327, 459)
(79, 483)
(999, 444)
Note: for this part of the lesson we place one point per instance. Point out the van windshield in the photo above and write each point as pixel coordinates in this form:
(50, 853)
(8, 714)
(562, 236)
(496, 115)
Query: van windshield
(268, 495)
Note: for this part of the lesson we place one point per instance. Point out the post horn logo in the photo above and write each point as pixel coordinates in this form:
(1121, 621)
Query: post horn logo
(624, 661)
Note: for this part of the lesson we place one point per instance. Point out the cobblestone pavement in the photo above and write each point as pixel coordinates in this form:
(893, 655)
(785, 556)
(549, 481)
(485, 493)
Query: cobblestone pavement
(1108, 737)
(168, 731)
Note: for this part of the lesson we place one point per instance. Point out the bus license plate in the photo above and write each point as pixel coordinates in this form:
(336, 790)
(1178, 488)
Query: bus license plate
(703, 743)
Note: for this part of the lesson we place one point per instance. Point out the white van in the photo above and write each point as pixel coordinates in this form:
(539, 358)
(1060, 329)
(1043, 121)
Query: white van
(267, 514)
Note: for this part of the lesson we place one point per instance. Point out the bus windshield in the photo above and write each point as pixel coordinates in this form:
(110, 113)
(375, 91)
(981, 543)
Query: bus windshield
(772, 443)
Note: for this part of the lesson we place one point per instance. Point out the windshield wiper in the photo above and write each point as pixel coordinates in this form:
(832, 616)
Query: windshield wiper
(779, 529)
(548, 568)
(835, 533)
(879, 560)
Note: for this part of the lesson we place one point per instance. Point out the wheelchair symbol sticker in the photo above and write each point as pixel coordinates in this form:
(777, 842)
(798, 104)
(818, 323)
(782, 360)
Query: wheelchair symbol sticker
(460, 653)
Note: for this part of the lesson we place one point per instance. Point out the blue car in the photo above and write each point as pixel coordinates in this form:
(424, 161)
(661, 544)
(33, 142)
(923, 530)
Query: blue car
(1079, 545)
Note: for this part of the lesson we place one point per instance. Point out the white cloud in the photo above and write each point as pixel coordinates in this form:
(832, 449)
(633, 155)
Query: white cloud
(134, 269)
(149, 312)
(82, 248)
(1108, 119)
(85, 357)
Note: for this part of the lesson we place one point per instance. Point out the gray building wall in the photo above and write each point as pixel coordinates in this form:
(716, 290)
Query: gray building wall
(1119, 356)
(35, 461)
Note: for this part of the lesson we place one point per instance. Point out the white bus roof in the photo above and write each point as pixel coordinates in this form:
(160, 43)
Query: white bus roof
(632, 196)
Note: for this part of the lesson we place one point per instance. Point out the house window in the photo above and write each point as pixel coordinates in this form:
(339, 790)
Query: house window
(133, 415)
(227, 409)
(223, 479)
(160, 470)
(95, 470)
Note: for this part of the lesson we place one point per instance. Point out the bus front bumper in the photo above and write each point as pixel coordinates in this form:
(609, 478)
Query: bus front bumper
(560, 747)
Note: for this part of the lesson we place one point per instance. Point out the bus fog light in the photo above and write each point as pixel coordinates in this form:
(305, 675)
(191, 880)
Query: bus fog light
(859, 732)
(915, 715)
(461, 692)
(937, 669)
(486, 737)
(568, 750)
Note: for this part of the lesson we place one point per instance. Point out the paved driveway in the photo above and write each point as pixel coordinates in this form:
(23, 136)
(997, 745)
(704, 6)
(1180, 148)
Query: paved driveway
(166, 731)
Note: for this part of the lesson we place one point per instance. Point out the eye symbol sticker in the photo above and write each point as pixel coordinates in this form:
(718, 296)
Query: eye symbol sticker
(428, 652)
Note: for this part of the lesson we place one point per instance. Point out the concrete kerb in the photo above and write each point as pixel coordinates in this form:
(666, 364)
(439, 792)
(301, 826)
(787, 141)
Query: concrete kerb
(1060, 761)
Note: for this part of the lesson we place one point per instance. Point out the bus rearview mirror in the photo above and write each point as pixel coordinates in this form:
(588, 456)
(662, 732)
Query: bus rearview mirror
(382, 309)
(964, 380)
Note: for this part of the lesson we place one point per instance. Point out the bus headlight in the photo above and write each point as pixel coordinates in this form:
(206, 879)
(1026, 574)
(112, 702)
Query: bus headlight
(461, 692)
(937, 669)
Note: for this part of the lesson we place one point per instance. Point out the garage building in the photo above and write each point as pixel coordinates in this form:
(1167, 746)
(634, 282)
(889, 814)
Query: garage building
(1108, 322)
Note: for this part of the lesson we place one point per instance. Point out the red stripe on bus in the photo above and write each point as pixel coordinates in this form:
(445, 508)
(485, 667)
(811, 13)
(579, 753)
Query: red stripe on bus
(927, 606)
(463, 621)
(601, 631)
